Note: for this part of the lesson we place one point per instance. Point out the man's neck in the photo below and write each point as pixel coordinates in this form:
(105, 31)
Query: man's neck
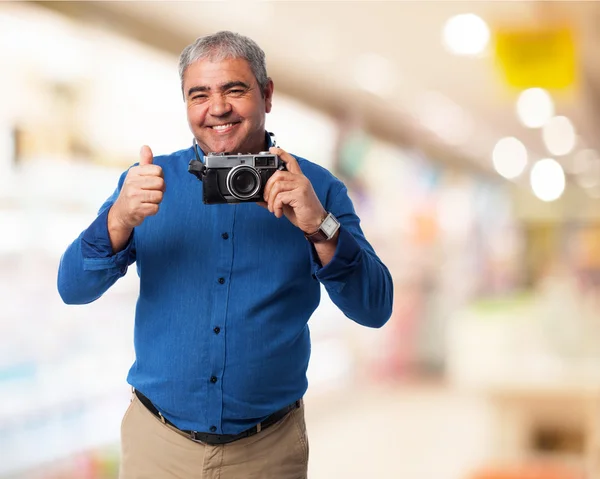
(262, 144)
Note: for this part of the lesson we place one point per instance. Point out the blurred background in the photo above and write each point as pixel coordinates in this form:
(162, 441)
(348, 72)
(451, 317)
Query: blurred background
(467, 135)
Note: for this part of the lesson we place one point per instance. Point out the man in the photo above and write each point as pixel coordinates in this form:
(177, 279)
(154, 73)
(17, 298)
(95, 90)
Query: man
(221, 337)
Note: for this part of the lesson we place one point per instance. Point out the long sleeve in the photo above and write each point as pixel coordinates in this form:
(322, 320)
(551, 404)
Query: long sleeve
(355, 279)
(88, 268)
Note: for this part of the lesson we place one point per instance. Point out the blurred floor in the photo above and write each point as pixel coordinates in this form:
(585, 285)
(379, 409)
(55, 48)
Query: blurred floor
(417, 432)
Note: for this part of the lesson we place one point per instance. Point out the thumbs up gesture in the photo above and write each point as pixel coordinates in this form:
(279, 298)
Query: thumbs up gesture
(141, 193)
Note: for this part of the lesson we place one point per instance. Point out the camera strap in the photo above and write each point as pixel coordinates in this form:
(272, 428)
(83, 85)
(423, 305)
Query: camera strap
(197, 166)
(195, 146)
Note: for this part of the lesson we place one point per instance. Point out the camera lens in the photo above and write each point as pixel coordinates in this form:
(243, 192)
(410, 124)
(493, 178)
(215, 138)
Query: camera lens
(243, 182)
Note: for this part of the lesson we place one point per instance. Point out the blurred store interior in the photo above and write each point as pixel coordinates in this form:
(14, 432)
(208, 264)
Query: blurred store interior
(467, 133)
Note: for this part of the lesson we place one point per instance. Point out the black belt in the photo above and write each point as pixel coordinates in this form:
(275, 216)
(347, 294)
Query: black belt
(214, 439)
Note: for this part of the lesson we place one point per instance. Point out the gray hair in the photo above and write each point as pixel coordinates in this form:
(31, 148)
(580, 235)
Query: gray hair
(224, 45)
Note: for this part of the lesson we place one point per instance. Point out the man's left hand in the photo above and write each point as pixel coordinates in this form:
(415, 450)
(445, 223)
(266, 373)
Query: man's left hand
(290, 193)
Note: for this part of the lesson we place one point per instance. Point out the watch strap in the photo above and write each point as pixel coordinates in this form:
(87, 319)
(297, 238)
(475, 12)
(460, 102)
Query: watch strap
(317, 237)
(320, 235)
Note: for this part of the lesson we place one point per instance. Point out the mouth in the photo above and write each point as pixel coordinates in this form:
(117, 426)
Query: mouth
(224, 128)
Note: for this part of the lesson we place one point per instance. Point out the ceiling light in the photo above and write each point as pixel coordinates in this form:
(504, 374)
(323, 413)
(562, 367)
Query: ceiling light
(559, 135)
(465, 34)
(547, 179)
(535, 107)
(509, 157)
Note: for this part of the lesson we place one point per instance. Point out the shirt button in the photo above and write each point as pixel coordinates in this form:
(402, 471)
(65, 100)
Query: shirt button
(213, 379)
(224, 236)
(221, 280)
(213, 428)
(217, 330)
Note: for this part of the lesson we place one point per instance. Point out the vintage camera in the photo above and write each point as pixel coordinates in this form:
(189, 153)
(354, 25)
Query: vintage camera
(237, 178)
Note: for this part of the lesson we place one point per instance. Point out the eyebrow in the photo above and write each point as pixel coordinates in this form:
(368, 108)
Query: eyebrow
(223, 87)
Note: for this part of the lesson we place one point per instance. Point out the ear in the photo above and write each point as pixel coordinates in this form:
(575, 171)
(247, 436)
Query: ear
(268, 95)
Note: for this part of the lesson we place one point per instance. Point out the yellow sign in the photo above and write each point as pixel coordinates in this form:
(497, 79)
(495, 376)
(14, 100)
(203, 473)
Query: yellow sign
(542, 58)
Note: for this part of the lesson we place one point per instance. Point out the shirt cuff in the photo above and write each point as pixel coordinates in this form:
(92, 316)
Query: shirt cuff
(346, 258)
(97, 250)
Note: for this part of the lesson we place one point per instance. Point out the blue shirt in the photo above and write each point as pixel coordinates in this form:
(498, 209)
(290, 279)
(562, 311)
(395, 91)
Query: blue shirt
(221, 336)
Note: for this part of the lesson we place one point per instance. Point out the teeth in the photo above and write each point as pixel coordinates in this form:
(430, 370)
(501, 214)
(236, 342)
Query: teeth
(222, 127)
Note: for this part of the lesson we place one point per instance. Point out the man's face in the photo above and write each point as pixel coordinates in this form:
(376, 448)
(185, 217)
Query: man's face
(225, 106)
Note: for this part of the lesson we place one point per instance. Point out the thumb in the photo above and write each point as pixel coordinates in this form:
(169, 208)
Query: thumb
(146, 156)
(291, 163)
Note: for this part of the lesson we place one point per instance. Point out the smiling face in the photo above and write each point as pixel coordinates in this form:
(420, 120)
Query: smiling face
(225, 106)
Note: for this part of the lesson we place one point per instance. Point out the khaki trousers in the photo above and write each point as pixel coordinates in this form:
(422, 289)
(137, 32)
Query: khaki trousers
(153, 450)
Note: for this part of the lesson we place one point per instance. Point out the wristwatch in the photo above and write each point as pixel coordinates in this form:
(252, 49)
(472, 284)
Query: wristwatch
(326, 231)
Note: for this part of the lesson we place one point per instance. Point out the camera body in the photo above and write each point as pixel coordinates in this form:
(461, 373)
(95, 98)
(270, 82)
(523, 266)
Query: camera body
(238, 178)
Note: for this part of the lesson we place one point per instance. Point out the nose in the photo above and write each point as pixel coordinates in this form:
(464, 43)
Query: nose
(219, 106)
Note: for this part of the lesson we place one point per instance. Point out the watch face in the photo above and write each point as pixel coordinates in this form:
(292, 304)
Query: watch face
(329, 225)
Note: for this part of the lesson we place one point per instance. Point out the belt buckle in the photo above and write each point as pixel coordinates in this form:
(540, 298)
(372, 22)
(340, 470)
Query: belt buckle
(193, 437)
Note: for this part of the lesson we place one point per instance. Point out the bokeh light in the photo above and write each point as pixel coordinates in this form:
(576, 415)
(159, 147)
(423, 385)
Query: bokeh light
(547, 179)
(509, 157)
(535, 107)
(465, 34)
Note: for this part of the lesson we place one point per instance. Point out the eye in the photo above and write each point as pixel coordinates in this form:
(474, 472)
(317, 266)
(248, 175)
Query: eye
(235, 91)
(200, 97)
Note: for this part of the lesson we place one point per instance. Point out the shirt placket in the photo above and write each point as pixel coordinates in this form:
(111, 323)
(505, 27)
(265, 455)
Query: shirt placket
(218, 326)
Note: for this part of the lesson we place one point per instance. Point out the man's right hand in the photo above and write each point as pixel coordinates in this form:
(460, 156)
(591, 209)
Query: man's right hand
(139, 198)
(141, 193)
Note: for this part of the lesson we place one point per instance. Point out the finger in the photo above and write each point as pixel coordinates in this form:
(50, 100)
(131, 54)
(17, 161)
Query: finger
(146, 156)
(278, 188)
(277, 176)
(152, 196)
(149, 170)
(149, 209)
(148, 183)
(282, 199)
(291, 163)
(152, 183)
